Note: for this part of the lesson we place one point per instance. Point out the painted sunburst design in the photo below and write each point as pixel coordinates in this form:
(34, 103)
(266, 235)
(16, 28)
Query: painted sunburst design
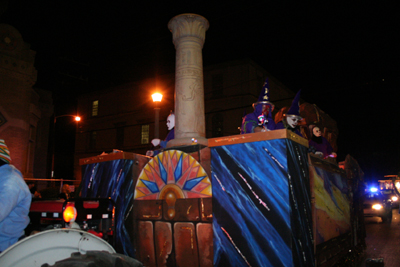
(173, 170)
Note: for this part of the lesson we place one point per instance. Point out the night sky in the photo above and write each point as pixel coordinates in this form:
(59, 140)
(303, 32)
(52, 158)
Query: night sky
(344, 58)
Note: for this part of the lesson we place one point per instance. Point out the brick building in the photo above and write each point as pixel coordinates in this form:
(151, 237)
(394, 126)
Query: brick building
(24, 111)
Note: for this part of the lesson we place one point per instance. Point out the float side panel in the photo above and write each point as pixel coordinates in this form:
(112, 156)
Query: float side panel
(251, 206)
(300, 202)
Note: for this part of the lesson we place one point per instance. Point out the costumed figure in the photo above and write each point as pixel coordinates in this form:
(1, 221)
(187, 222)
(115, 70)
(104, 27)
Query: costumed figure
(292, 118)
(171, 135)
(260, 120)
(15, 201)
(320, 144)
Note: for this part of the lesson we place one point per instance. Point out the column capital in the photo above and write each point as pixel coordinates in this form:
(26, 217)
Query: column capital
(188, 25)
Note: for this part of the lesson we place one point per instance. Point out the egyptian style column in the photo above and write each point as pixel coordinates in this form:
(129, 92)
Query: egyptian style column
(189, 32)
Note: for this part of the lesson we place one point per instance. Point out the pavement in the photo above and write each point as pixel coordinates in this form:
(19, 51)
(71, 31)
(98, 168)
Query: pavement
(383, 241)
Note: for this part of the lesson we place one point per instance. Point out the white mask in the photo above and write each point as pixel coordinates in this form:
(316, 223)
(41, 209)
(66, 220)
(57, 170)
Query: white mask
(316, 131)
(171, 121)
(292, 121)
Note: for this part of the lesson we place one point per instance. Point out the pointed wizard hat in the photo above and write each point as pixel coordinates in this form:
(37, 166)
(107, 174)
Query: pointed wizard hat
(263, 99)
(294, 110)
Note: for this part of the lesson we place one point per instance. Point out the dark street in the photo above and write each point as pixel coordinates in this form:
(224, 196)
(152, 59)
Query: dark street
(383, 240)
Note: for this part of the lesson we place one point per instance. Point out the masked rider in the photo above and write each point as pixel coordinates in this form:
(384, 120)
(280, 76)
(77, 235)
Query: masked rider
(260, 120)
(292, 118)
(170, 136)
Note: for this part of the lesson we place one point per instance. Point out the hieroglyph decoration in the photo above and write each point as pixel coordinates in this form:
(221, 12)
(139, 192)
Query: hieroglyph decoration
(193, 88)
(188, 72)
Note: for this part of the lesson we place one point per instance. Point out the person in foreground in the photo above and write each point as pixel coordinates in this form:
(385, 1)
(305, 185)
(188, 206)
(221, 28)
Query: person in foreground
(15, 201)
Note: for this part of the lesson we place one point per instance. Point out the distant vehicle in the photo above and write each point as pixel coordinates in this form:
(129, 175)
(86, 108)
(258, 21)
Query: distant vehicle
(391, 196)
(377, 205)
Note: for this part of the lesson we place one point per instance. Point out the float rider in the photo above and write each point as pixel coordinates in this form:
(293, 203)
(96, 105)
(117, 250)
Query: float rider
(260, 120)
(163, 143)
(291, 119)
(320, 144)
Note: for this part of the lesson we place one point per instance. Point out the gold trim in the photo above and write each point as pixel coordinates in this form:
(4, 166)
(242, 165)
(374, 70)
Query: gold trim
(191, 234)
(297, 138)
(153, 216)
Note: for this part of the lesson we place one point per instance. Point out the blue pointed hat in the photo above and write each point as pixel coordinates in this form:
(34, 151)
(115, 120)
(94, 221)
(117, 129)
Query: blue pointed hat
(263, 99)
(294, 109)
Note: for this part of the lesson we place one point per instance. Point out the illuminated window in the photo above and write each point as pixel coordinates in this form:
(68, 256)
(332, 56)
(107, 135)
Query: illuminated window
(145, 134)
(95, 108)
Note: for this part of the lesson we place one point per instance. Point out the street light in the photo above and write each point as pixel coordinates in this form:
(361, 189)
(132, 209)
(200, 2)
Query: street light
(156, 99)
(77, 119)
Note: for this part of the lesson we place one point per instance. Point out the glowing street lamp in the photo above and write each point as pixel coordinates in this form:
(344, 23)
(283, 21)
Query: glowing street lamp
(156, 99)
(76, 117)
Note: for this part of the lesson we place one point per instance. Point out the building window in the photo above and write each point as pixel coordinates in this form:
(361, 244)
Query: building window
(145, 134)
(92, 142)
(217, 85)
(217, 125)
(95, 108)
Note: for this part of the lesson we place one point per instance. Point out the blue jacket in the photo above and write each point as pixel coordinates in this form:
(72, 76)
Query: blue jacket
(15, 202)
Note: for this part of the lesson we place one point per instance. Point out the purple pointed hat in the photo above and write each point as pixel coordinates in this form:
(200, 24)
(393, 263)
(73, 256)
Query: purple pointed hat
(263, 99)
(294, 109)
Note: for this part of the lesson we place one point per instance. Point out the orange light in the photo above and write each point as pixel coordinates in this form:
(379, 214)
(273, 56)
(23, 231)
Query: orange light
(77, 118)
(69, 214)
(377, 206)
(157, 97)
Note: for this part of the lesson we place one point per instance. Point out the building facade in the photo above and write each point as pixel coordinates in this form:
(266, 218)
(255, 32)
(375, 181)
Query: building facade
(24, 112)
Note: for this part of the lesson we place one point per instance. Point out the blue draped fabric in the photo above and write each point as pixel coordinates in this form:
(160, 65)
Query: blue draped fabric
(254, 205)
(113, 179)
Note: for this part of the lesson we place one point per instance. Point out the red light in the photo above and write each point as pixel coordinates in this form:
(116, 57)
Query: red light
(98, 234)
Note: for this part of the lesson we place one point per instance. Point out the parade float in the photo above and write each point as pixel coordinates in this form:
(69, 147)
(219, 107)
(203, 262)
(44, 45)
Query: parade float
(254, 199)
